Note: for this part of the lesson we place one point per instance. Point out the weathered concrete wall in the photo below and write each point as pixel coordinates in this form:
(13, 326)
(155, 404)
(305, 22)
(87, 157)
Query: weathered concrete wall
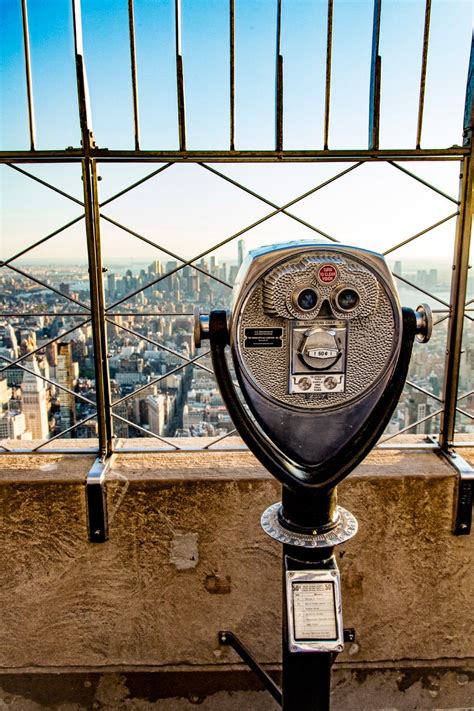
(186, 558)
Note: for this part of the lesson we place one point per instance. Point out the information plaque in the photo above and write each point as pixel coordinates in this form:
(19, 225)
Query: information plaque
(314, 610)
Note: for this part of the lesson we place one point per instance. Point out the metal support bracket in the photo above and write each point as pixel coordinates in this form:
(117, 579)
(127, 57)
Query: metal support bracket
(96, 501)
(230, 640)
(463, 496)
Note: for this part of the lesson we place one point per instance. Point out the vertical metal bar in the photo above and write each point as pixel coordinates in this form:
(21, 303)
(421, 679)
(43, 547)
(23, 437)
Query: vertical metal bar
(458, 298)
(279, 85)
(424, 62)
(460, 274)
(232, 72)
(29, 83)
(85, 120)
(375, 80)
(469, 105)
(180, 78)
(92, 220)
(133, 69)
(327, 104)
(91, 201)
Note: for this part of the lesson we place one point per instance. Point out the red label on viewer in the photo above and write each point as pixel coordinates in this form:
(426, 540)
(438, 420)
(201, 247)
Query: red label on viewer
(327, 273)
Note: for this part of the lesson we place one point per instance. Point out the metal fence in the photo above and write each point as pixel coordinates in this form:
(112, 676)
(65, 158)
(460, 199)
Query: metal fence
(102, 316)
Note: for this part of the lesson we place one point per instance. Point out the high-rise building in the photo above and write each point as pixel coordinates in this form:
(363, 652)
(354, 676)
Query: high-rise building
(155, 268)
(240, 251)
(34, 401)
(156, 410)
(13, 425)
(111, 284)
(5, 393)
(65, 377)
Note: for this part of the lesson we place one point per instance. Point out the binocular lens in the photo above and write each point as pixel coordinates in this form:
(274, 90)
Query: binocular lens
(347, 299)
(307, 299)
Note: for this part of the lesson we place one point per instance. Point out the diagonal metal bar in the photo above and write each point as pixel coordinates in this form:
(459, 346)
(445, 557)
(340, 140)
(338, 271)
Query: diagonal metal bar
(133, 69)
(156, 343)
(63, 432)
(159, 379)
(28, 76)
(276, 212)
(422, 181)
(435, 397)
(410, 427)
(134, 185)
(424, 62)
(46, 286)
(375, 79)
(164, 250)
(465, 413)
(45, 184)
(419, 288)
(51, 382)
(45, 345)
(79, 202)
(237, 234)
(41, 241)
(419, 234)
(444, 318)
(232, 72)
(268, 202)
(463, 397)
(423, 390)
(180, 77)
(219, 439)
(327, 98)
(80, 217)
(147, 432)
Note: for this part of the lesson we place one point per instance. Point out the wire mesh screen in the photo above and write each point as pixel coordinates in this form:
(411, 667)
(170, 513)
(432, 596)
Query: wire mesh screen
(218, 128)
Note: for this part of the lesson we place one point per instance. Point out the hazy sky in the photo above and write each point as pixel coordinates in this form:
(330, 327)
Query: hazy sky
(186, 209)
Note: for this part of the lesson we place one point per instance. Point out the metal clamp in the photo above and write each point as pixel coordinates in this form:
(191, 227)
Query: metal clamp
(463, 499)
(96, 501)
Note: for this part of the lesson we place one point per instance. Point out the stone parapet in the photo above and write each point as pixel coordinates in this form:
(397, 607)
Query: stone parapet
(186, 558)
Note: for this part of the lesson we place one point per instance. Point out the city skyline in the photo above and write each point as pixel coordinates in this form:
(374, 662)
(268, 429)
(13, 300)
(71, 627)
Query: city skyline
(158, 387)
(172, 235)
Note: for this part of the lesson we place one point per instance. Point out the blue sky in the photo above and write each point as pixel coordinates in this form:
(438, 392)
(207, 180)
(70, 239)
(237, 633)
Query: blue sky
(218, 209)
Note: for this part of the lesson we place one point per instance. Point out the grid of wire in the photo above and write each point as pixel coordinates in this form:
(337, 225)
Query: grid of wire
(99, 314)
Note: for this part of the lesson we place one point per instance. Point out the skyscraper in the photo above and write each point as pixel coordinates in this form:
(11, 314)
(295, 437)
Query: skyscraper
(34, 402)
(240, 251)
(65, 377)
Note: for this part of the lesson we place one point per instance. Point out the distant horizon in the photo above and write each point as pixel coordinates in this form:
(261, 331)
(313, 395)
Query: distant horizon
(135, 261)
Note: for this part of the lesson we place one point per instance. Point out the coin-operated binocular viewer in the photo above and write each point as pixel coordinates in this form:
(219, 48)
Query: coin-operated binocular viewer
(321, 348)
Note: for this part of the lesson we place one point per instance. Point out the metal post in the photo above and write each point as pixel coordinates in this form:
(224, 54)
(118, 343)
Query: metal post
(458, 299)
(29, 82)
(306, 676)
(375, 79)
(92, 219)
(91, 203)
(460, 274)
(278, 85)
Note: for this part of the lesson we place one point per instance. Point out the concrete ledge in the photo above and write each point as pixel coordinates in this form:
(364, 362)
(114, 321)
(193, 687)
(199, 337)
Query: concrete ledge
(186, 558)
